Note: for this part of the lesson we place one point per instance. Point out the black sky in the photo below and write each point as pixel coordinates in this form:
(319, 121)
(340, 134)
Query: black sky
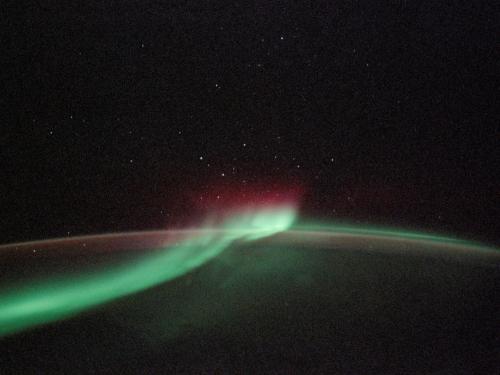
(120, 115)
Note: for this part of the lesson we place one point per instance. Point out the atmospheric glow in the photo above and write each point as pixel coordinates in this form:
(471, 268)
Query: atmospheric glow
(55, 299)
(262, 223)
(361, 231)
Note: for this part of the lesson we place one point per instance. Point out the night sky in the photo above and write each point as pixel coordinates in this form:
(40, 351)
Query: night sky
(147, 114)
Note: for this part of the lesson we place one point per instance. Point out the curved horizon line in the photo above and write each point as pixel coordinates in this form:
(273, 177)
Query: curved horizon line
(316, 230)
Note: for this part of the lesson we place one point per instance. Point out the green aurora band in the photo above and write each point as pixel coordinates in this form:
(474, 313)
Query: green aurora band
(58, 298)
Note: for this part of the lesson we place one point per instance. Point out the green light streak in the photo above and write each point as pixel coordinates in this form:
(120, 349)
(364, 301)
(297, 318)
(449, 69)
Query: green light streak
(32, 304)
(359, 231)
(55, 299)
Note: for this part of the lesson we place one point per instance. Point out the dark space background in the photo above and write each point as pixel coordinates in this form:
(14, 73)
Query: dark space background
(120, 115)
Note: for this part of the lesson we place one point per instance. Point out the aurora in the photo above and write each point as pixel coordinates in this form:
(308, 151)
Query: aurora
(54, 299)
(30, 304)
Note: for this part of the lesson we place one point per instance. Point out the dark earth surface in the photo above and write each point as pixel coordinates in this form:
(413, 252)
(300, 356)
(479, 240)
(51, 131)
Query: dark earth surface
(285, 304)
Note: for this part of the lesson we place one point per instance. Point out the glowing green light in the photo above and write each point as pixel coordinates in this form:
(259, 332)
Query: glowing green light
(59, 297)
(360, 231)
(262, 223)
(55, 299)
